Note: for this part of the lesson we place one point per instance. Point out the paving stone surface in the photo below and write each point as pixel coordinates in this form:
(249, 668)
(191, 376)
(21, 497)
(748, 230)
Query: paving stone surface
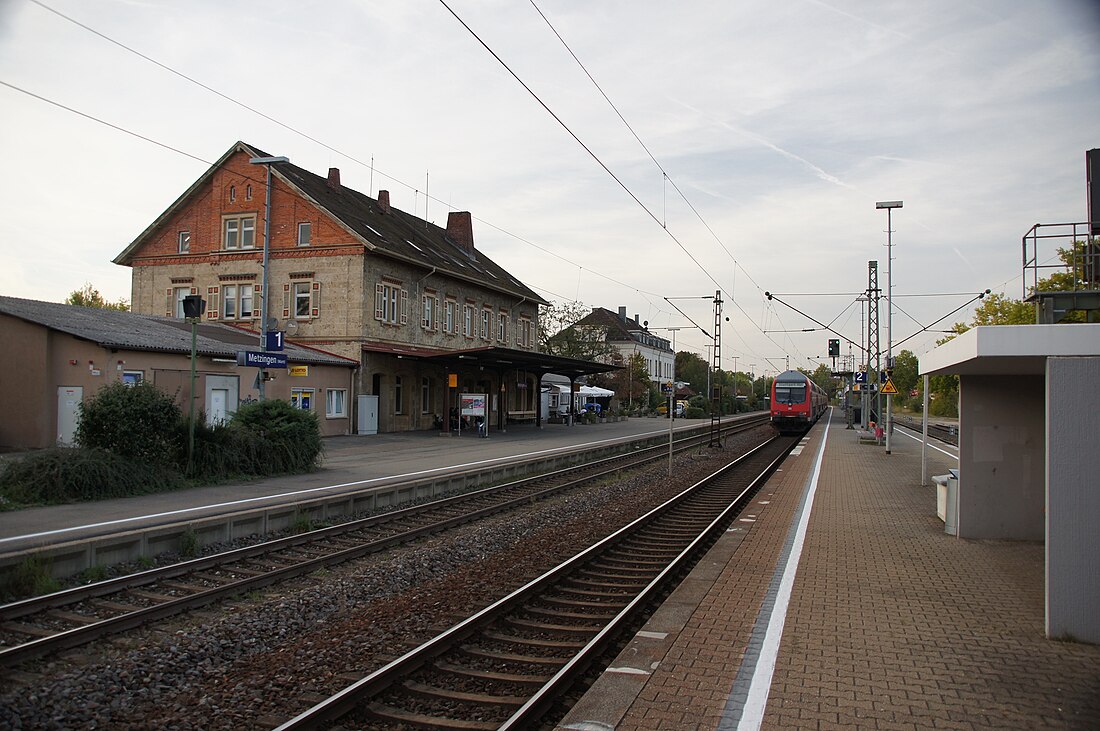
(892, 623)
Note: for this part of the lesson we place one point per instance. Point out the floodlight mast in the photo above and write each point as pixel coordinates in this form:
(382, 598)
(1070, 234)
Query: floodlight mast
(889, 206)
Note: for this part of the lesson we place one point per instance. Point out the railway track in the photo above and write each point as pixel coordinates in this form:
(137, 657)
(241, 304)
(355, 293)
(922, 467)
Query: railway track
(511, 663)
(42, 625)
(944, 432)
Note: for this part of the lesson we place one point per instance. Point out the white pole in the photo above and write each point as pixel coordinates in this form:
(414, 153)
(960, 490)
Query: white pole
(924, 440)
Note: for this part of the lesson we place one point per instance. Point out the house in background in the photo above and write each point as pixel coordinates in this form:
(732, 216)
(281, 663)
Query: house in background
(67, 353)
(411, 302)
(629, 337)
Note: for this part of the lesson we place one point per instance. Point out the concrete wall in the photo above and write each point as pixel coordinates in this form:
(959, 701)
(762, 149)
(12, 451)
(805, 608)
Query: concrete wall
(1073, 499)
(1002, 457)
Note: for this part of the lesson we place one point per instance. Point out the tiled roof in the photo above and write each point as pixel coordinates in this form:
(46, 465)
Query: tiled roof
(394, 233)
(129, 331)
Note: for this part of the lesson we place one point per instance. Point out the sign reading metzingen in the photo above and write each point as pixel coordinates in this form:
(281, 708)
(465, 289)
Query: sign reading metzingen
(261, 360)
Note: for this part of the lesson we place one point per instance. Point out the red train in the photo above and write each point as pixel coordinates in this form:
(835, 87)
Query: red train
(797, 402)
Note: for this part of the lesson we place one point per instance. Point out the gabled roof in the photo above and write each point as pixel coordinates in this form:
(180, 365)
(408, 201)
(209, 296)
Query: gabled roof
(393, 233)
(620, 329)
(148, 333)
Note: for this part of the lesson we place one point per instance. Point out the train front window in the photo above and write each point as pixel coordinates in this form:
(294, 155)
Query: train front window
(793, 393)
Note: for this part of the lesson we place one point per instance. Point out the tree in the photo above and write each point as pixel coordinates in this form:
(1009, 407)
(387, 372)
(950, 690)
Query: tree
(905, 375)
(89, 296)
(997, 309)
(823, 377)
(559, 334)
(632, 384)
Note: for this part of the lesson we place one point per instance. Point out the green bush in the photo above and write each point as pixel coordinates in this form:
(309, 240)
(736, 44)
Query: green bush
(291, 438)
(66, 475)
(136, 421)
(116, 459)
(693, 412)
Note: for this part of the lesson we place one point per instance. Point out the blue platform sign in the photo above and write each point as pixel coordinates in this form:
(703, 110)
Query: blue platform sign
(274, 340)
(261, 360)
(861, 376)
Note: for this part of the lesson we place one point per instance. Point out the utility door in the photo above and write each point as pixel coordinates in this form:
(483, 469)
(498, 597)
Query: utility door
(368, 415)
(69, 399)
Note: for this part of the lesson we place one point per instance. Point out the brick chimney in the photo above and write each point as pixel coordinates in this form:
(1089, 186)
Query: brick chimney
(384, 201)
(460, 229)
(334, 178)
(622, 314)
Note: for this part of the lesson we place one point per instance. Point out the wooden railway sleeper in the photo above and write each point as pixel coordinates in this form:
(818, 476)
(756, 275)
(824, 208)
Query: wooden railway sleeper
(423, 690)
(483, 653)
(531, 642)
(532, 681)
(389, 714)
(565, 629)
(587, 616)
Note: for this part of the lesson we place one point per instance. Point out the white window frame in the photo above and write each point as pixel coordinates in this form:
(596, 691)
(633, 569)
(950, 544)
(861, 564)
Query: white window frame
(336, 403)
(235, 229)
(486, 324)
(301, 292)
(180, 293)
(229, 302)
(305, 233)
(468, 320)
(502, 327)
(183, 244)
(428, 306)
(296, 398)
(525, 332)
(450, 322)
(391, 303)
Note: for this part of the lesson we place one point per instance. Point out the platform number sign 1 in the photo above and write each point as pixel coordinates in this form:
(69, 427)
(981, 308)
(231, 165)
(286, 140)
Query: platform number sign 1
(274, 341)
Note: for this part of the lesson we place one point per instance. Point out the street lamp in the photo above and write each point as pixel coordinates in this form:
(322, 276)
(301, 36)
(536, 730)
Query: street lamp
(193, 308)
(889, 206)
(267, 231)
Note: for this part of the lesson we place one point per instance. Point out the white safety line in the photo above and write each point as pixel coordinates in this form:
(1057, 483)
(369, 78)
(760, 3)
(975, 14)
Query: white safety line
(752, 714)
(930, 444)
(246, 501)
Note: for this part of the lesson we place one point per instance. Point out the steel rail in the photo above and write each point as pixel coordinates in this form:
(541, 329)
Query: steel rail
(351, 697)
(83, 634)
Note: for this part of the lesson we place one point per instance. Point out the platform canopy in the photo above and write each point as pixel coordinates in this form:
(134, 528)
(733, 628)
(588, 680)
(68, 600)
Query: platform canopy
(496, 358)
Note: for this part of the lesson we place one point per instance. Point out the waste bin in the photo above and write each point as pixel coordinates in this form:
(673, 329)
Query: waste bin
(951, 513)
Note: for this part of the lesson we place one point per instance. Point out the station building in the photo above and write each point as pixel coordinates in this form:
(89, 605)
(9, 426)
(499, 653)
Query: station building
(65, 354)
(424, 313)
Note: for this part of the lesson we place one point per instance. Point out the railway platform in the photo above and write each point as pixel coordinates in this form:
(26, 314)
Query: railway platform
(351, 464)
(839, 602)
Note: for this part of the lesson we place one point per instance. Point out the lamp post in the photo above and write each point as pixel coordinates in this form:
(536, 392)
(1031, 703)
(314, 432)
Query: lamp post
(889, 206)
(193, 308)
(267, 161)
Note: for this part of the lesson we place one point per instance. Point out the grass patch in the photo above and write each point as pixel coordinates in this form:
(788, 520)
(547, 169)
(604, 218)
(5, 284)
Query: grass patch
(31, 577)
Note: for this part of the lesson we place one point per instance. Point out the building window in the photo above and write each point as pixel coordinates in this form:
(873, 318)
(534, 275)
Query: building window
(391, 303)
(525, 333)
(468, 321)
(427, 317)
(336, 400)
(425, 395)
(502, 328)
(184, 246)
(239, 232)
(178, 294)
(486, 318)
(248, 192)
(304, 232)
(132, 378)
(450, 324)
(232, 193)
(301, 300)
(236, 301)
(302, 398)
(398, 396)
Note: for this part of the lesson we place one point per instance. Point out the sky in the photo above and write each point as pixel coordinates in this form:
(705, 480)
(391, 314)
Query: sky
(622, 153)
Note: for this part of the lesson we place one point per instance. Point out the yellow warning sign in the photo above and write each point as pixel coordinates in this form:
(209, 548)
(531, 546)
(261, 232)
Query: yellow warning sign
(889, 389)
